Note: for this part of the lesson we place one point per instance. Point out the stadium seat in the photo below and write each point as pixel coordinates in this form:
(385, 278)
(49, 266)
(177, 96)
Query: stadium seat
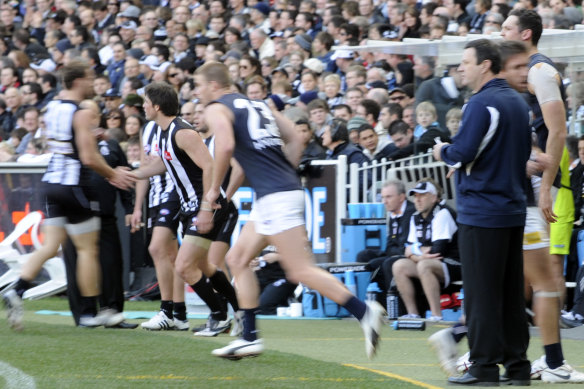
(55, 267)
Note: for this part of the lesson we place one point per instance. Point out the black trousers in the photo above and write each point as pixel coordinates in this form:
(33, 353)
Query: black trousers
(492, 272)
(111, 261)
(579, 292)
(274, 295)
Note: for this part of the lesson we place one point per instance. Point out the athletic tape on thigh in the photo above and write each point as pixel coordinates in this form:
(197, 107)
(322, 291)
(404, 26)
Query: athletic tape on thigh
(543, 293)
(90, 225)
(198, 241)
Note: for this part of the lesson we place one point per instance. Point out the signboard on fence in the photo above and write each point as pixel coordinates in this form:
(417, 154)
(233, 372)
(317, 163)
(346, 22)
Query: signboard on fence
(320, 202)
(20, 194)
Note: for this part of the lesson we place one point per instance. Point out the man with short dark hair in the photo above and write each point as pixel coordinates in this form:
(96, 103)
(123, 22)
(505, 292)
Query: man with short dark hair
(184, 156)
(374, 147)
(490, 153)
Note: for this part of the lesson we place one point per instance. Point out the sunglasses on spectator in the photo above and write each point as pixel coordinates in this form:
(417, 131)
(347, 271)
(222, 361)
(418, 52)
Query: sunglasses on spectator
(397, 98)
(173, 75)
(243, 67)
(491, 22)
(114, 118)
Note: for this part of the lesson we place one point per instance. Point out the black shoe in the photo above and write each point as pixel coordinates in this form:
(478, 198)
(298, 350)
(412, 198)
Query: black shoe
(505, 380)
(124, 326)
(470, 380)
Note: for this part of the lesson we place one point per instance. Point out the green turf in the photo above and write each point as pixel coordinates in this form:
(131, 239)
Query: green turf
(311, 354)
(59, 355)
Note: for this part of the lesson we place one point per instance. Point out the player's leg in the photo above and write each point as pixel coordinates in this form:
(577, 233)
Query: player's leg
(217, 253)
(299, 267)
(163, 249)
(54, 235)
(247, 247)
(179, 307)
(191, 258)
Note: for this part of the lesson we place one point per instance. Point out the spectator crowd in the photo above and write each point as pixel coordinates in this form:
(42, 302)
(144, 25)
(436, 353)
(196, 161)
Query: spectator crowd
(394, 105)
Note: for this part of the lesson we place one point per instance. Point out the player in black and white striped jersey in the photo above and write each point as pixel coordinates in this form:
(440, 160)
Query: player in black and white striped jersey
(184, 156)
(233, 179)
(70, 204)
(163, 222)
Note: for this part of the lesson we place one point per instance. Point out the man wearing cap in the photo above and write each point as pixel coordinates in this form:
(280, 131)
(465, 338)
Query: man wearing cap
(490, 152)
(148, 64)
(132, 105)
(259, 16)
(343, 59)
(128, 31)
(112, 99)
(131, 13)
(431, 253)
(399, 96)
(304, 42)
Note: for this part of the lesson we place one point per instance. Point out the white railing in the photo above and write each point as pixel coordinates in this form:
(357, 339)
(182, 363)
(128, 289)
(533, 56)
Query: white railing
(408, 170)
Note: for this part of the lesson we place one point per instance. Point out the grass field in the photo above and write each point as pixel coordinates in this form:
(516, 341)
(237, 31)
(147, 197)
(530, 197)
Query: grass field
(307, 353)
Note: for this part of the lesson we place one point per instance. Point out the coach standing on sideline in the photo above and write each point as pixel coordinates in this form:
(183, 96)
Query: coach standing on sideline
(490, 152)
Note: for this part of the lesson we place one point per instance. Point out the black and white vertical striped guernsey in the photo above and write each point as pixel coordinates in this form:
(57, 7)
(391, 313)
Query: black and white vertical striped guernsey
(65, 167)
(161, 186)
(186, 175)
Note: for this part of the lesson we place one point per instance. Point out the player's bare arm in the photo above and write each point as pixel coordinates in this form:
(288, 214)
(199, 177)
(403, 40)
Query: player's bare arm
(222, 127)
(90, 156)
(193, 145)
(141, 189)
(293, 143)
(235, 179)
(543, 81)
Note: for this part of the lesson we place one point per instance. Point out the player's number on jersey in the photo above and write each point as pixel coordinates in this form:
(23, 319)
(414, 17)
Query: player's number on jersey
(260, 121)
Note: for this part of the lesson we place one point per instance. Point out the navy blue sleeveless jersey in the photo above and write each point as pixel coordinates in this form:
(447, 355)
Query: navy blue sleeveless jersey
(258, 146)
(538, 123)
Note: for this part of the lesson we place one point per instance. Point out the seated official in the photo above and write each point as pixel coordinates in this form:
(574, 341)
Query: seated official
(399, 211)
(431, 254)
(275, 289)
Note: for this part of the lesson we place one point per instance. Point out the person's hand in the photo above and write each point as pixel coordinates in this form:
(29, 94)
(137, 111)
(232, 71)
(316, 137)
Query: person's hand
(135, 221)
(211, 198)
(538, 164)
(204, 221)
(123, 178)
(437, 149)
(431, 256)
(546, 206)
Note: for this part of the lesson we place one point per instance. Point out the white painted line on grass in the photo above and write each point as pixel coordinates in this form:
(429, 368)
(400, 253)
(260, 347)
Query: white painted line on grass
(15, 378)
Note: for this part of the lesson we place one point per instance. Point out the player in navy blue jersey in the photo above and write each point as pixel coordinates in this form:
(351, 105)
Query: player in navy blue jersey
(268, 148)
(184, 156)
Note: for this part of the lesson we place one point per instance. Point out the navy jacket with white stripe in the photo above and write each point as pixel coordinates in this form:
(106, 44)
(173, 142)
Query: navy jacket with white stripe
(490, 152)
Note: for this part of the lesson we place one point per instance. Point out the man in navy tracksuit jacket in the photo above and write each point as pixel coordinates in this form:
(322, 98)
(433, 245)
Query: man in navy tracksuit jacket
(490, 153)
